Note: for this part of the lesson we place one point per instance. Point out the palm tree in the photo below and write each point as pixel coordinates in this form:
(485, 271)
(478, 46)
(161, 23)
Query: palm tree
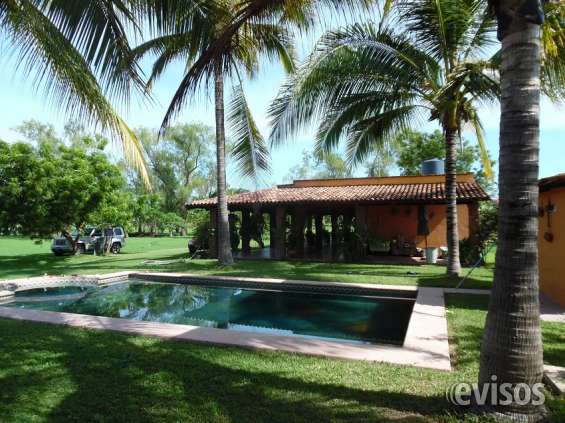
(253, 38)
(512, 346)
(78, 52)
(366, 82)
(217, 39)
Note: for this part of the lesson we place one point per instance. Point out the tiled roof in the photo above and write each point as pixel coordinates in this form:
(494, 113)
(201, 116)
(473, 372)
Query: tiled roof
(366, 194)
(555, 181)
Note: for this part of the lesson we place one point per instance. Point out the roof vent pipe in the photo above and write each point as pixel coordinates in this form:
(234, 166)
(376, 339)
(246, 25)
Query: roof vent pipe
(433, 167)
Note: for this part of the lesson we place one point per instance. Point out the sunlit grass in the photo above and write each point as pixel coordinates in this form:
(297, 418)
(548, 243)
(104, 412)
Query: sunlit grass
(54, 373)
(21, 258)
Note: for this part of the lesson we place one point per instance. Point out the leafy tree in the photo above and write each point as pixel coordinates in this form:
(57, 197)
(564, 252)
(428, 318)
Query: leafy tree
(416, 147)
(116, 210)
(383, 160)
(146, 210)
(171, 223)
(47, 189)
(181, 163)
(321, 166)
(38, 132)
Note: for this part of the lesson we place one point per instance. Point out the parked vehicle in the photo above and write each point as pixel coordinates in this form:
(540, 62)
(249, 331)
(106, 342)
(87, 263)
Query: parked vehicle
(94, 239)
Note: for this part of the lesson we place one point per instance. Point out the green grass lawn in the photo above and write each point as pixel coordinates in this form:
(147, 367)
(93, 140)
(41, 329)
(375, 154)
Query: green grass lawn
(21, 257)
(54, 374)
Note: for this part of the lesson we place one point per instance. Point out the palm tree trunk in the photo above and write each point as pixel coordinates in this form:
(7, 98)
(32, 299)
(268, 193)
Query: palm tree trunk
(453, 262)
(512, 346)
(224, 248)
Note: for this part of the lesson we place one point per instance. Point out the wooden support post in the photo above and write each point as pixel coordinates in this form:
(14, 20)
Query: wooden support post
(348, 252)
(280, 233)
(334, 238)
(361, 231)
(272, 229)
(474, 224)
(298, 221)
(212, 234)
(319, 232)
(245, 230)
(347, 218)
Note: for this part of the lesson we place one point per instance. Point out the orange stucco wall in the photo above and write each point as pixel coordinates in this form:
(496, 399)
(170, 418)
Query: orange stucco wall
(402, 220)
(552, 254)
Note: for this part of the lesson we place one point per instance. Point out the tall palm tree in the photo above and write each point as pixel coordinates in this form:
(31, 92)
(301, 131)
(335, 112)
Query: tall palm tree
(531, 61)
(78, 52)
(366, 82)
(253, 39)
(217, 39)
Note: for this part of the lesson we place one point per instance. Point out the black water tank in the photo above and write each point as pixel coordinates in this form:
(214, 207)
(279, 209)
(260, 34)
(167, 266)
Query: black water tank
(433, 167)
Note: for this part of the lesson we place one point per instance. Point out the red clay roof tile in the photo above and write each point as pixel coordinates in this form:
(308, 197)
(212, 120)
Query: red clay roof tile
(366, 194)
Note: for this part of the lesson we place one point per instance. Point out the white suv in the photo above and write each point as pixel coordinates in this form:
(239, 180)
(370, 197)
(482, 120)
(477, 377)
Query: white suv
(94, 239)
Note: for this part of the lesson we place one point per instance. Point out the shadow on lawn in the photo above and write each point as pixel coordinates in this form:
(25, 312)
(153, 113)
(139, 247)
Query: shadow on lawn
(554, 337)
(375, 273)
(94, 376)
(44, 263)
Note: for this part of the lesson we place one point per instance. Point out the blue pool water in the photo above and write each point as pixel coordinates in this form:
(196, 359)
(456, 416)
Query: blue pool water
(335, 316)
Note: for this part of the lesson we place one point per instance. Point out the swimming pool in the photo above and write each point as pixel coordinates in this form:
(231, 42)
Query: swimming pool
(362, 316)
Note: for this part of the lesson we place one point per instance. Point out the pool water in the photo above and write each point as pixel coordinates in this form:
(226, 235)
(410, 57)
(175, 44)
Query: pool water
(334, 316)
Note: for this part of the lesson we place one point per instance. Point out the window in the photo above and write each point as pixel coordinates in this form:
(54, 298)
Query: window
(118, 232)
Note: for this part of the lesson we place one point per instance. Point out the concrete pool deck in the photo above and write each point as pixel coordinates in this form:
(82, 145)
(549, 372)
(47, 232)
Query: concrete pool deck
(426, 344)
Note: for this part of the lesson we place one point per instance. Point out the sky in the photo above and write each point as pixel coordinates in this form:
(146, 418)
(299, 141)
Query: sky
(20, 102)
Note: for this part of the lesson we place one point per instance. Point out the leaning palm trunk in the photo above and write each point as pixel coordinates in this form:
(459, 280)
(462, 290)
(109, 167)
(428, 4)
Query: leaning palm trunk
(223, 228)
(512, 347)
(453, 262)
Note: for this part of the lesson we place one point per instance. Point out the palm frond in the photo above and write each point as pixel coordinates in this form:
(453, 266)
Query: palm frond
(354, 62)
(377, 130)
(553, 44)
(59, 69)
(218, 52)
(250, 150)
(271, 40)
(166, 48)
(483, 150)
(98, 30)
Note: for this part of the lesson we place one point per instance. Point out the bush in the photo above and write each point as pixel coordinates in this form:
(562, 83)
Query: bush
(471, 252)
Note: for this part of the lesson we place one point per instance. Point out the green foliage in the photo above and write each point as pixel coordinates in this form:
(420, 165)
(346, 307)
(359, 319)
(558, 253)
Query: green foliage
(319, 165)
(47, 188)
(199, 226)
(115, 210)
(181, 165)
(414, 147)
(473, 251)
(171, 223)
(250, 150)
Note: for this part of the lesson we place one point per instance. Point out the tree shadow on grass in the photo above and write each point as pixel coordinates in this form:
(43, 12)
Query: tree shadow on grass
(341, 272)
(554, 343)
(38, 264)
(99, 376)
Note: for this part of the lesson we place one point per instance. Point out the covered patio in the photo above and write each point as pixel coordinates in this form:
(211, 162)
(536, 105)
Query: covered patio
(355, 219)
